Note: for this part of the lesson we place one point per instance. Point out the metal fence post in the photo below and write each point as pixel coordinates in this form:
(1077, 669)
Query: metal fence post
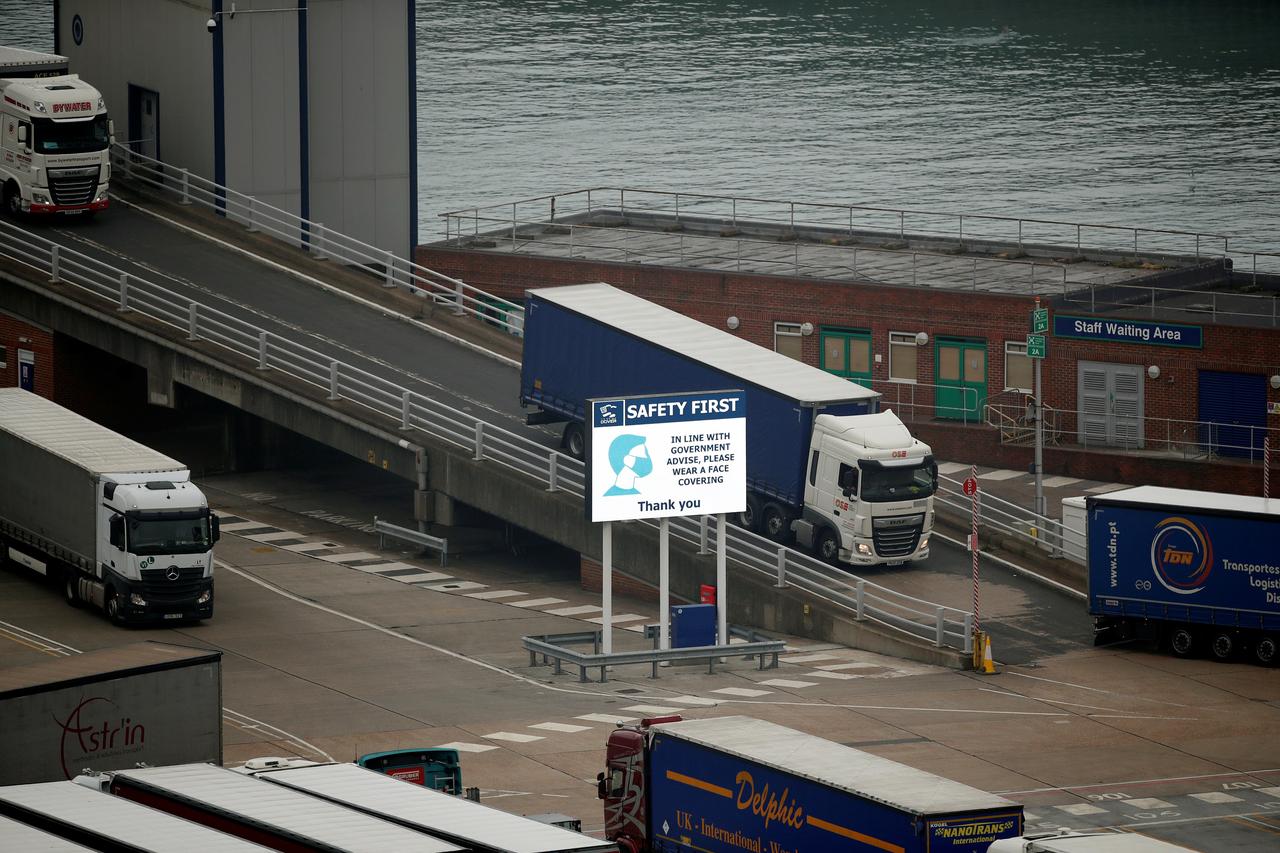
(859, 594)
(459, 306)
(479, 441)
(186, 188)
(333, 381)
(404, 410)
(702, 535)
(193, 321)
(940, 626)
(262, 350)
(391, 271)
(253, 215)
(913, 269)
(55, 273)
(782, 568)
(124, 291)
(968, 633)
(318, 241)
(553, 470)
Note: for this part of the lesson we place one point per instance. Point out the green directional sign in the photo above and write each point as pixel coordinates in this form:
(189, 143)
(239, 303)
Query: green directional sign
(1040, 320)
(1036, 346)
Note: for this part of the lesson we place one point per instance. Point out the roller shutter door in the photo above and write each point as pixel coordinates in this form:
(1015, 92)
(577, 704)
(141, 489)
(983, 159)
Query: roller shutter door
(1233, 413)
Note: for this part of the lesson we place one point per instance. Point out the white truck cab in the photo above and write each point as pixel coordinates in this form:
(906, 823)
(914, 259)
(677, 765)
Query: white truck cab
(55, 137)
(868, 491)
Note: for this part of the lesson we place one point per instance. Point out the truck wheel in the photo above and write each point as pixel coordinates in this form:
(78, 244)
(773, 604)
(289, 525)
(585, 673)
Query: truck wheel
(750, 517)
(69, 588)
(1223, 645)
(1264, 650)
(12, 200)
(113, 608)
(827, 548)
(1182, 641)
(575, 440)
(775, 523)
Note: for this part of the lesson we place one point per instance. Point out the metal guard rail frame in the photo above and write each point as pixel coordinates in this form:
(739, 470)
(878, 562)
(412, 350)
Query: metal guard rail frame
(554, 647)
(324, 243)
(854, 596)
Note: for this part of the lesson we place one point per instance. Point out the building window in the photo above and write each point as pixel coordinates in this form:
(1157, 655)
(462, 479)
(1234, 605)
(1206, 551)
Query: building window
(902, 356)
(1017, 367)
(847, 353)
(787, 339)
(4, 356)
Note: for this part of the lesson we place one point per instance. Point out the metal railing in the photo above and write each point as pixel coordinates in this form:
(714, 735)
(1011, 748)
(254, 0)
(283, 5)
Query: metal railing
(1011, 519)
(324, 243)
(901, 223)
(483, 441)
(1186, 438)
(919, 400)
(1194, 306)
(555, 649)
(414, 537)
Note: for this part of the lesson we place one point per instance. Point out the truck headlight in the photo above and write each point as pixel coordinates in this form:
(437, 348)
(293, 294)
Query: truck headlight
(864, 549)
(102, 194)
(205, 597)
(39, 198)
(137, 600)
(924, 543)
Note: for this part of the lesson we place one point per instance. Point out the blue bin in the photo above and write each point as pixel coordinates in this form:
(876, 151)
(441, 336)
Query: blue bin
(693, 625)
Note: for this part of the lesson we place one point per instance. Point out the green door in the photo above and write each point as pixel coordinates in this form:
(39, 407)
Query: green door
(847, 353)
(961, 368)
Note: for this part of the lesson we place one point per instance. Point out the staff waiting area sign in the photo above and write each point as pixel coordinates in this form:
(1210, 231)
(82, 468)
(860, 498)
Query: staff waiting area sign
(667, 455)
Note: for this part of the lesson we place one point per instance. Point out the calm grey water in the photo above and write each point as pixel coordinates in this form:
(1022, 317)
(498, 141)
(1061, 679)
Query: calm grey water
(1160, 114)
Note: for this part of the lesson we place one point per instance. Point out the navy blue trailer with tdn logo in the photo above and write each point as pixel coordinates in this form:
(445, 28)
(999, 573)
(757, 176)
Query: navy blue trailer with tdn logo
(1199, 571)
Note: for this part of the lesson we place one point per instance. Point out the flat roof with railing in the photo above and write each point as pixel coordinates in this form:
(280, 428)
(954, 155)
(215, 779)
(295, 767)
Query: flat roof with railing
(1098, 268)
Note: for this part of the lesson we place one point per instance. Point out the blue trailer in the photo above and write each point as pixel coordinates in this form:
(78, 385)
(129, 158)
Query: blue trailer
(1195, 570)
(823, 463)
(736, 783)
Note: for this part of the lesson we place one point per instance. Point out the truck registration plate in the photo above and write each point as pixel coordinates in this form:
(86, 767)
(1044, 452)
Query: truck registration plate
(173, 616)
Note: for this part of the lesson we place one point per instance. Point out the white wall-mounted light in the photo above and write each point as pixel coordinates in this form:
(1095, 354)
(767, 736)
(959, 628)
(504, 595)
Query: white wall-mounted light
(922, 338)
(1154, 371)
(806, 328)
(1275, 381)
(732, 322)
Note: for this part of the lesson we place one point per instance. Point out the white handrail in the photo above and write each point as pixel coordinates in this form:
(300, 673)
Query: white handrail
(485, 441)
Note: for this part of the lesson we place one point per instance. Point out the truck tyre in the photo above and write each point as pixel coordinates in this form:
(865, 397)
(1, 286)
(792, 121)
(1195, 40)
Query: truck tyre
(1264, 650)
(827, 546)
(1223, 645)
(1182, 641)
(12, 200)
(575, 440)
(749, 518)
(775, 523)
(112, 606)
(69, 588)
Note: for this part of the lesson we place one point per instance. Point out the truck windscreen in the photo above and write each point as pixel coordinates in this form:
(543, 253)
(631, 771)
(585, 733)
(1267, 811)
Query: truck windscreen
(909, 482)
(170, 535)
(71, 137)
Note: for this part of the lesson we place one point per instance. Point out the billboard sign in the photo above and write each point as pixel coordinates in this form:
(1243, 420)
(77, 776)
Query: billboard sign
(667, 455)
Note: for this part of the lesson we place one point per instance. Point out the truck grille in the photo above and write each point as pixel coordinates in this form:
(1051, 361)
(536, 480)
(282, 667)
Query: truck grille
(73, 186)
(897, 537)
(157, 587)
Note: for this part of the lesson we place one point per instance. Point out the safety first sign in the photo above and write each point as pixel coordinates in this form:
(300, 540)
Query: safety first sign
(673, 454)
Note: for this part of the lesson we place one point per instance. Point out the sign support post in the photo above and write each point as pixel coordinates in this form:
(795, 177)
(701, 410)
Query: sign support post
(664, 583)
(722, 594)
(606, 588)
(1039, 328)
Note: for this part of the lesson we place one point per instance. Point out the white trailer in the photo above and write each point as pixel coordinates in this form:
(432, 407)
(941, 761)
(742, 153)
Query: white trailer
(111, 521)
(55, 137)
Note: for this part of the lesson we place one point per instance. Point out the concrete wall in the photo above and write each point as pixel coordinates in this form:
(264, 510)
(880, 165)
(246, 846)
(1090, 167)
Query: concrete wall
(161, 45)
(338, 150)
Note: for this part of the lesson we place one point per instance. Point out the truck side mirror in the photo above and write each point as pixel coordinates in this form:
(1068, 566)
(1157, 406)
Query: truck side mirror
(117, 532)
(217, 527)
(600, 789)
(111, 132)
(22, 134)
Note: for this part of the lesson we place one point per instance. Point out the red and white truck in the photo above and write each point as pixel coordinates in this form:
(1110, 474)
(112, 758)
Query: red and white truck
(55, 137)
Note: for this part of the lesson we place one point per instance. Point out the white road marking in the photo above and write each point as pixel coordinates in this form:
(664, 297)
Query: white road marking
(952, 467)
(537, 602)
(693, 700)
(513, 737)
(560, 727)
(835, 676)
(786, 682)
(303, 547)
(422, 577)
(386, 567)
(745, 692)
(452, 586)
(1092, 689)
(839, 667)
(347, 558)
(1000, 474)
(1059, 482)
(236, 526)
(1147, 804)
(575, 611)
(624, 617)
(653, 710)
(606, 718)
(1215, 797)
(1270, 792)
(495, 593)
(467, 747)
(1080, 809)
(273, 537)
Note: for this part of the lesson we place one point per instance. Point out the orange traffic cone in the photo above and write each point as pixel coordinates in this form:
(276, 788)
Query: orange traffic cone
(988, 665)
